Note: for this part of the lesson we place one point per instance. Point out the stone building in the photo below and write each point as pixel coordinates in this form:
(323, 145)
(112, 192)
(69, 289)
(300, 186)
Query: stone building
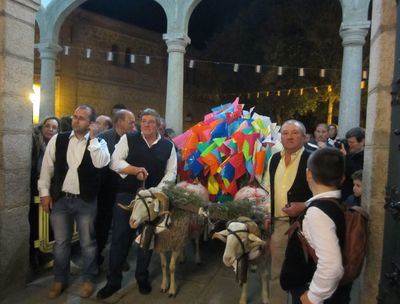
(17, 26)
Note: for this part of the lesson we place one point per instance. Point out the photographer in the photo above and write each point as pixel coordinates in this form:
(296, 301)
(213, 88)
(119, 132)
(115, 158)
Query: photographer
(354, 156)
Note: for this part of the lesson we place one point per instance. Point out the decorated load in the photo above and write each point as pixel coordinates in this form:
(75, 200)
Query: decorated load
(229, 148)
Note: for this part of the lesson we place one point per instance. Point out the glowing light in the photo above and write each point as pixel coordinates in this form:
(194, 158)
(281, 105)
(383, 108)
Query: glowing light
(35, 99)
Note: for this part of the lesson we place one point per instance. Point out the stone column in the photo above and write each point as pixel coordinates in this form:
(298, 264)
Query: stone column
(174, 103)
(17, 26)
(353, 36)
(48, 56)
(376, 155)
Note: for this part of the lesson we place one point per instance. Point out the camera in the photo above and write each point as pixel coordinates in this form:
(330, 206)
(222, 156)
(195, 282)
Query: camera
(339, 142)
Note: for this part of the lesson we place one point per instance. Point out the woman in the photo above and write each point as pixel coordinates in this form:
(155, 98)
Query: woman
(40, 137)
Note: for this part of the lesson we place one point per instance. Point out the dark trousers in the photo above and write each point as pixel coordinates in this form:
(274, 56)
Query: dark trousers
(340, 296)
(122, 238)
(105, 204)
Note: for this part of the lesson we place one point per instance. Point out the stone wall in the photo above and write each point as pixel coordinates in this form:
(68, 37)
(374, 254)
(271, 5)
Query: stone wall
(383, 34)
(99, 82)
(17, 19)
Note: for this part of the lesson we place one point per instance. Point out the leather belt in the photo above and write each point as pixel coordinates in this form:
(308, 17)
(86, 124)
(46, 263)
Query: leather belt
(71, 195)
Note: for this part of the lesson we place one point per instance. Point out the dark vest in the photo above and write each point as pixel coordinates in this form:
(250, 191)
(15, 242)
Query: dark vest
(299, 192)
(296, 272)
(88, 174)
(154, 159)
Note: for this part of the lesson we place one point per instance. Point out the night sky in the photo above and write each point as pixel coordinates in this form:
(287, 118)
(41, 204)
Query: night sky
(207, 19)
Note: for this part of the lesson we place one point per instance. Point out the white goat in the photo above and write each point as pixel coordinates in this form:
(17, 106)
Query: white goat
(171, 233)
(244, 245)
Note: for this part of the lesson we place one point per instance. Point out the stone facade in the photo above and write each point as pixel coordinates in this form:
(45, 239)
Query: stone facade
(103, 83)
(383, 35)
(17, 19)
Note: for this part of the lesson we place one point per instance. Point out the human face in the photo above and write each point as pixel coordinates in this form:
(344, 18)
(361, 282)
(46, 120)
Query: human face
(321, 134)
(354, 145)
(149, 126)
(127, 125)
(357, 187)
(102, 122)
(332, 132)
(292, 138)
(81, 121)
(49, 129)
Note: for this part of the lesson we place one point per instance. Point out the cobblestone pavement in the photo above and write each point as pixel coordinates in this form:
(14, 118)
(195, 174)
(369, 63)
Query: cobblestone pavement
(211, 283)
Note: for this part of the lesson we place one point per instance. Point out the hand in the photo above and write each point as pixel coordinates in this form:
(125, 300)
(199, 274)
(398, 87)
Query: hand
(294, 209)
(321, 144)
(93, 129)
(304, 298)
(141, 173)
(343, 150)
(47, 203)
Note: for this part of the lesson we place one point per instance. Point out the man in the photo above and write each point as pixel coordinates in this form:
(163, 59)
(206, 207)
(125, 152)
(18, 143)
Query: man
(124, 122)
(324, 229)
(285, 180)
(354, 158)
(320, 140)
(68, 186)
(104, 122)
(138, 157)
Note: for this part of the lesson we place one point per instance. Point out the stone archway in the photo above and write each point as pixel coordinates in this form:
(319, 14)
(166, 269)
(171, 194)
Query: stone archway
(52, 15)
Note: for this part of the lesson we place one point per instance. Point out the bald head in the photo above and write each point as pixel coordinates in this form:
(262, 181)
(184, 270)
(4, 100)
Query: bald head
(124, 122)
(104, 122)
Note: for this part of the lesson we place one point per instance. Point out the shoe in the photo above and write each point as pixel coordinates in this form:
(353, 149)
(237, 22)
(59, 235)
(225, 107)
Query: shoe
(55, 290)
(86, 289)
(107, 291)
(144, 287)
(125, 267)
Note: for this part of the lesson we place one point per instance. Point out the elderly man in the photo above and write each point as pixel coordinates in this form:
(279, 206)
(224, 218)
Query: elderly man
(104, 122)
(285, 180)
(138, 157)
(68, 186)
(124, 122)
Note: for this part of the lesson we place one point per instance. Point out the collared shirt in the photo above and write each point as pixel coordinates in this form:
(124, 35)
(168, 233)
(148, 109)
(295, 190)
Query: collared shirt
(284, 178)
(76, 148)
(320, 232)
(119, 163)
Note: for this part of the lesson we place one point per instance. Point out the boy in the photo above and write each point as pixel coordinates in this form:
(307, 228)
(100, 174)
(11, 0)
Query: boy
(323, 225)
(355, 198)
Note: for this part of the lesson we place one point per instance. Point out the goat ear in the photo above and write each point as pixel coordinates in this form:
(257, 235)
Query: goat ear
(162, 198)
(255, 241)
(222, 235)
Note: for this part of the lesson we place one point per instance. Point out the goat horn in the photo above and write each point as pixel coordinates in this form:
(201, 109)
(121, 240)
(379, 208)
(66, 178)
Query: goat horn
(126, 208)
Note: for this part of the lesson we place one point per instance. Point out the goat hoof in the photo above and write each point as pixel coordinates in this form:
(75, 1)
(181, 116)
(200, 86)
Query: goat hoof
(171, 295)
(163, 290)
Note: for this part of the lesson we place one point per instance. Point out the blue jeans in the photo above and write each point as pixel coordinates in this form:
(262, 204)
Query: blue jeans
(121, 240)
(62, 217)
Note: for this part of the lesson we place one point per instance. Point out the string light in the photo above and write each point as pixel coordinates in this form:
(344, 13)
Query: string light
(191, 63)
(88, 53)
(258, 68)
(365, 74)
(301, 72)
(132, 58)
(280, 71)
(236, 67)
(147, 61)
(110, 56)
(322, 73)
(66, 50)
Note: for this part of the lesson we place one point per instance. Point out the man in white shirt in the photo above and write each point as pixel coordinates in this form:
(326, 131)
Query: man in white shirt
(68, 186)
(139, 158)
(324, 228)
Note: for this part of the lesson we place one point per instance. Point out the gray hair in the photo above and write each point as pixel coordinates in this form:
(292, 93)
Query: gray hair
(297, 123)
(152, 112)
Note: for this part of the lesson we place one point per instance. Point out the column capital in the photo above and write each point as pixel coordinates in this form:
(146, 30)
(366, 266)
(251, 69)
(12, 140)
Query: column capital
(48, 50)
(353, 34)
(176, 42)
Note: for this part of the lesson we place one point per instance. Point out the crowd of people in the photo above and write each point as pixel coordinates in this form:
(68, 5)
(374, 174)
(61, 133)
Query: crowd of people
(83, 166)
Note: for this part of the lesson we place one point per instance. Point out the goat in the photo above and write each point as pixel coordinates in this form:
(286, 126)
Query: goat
(244, 245)
(171, 230)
